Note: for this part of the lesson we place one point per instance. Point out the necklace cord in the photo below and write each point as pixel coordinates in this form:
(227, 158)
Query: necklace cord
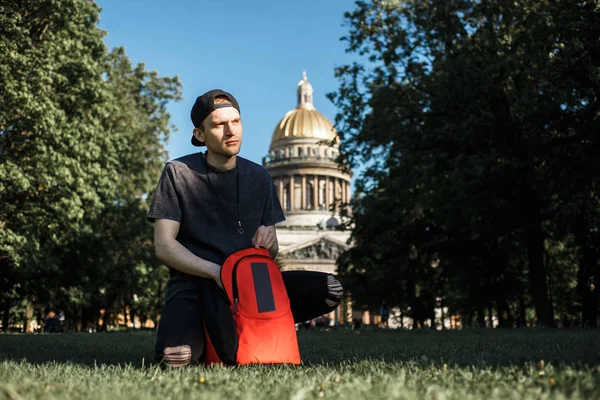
(240, 229)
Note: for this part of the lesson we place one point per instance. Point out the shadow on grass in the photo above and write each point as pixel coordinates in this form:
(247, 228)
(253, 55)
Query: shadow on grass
(577, 348)
(486, 347)
(111, 348)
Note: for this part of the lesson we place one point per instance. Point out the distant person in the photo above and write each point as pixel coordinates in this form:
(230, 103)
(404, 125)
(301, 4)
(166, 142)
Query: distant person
(61, 318)
(208, 206)
(52, 323)
(306, 325)
(384, 313)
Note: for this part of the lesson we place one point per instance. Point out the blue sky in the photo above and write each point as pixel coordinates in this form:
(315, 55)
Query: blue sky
(256, 50)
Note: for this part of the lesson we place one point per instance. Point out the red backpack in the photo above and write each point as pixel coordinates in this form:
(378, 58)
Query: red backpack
(262, 330)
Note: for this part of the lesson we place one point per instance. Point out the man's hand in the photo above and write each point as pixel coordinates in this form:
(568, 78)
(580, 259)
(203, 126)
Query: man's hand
(216, 274)
(265, 237)
(175, 255)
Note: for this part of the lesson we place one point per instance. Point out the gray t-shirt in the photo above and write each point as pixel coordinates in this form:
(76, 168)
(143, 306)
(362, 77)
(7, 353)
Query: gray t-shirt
(204, 200)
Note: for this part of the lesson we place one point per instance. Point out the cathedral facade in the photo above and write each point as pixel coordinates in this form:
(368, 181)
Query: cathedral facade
(309, 182)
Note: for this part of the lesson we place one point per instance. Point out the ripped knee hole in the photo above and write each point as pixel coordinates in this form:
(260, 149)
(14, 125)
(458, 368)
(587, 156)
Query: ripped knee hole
(335, 291)
(177, 356)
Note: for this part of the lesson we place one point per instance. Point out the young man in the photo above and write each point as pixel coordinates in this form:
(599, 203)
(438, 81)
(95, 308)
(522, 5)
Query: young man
(208, 206)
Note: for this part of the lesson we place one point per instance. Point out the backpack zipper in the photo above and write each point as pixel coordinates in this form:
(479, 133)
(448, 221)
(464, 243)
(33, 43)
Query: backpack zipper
(236, 297)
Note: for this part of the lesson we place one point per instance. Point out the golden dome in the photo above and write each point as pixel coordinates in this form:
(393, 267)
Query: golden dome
(304, 121)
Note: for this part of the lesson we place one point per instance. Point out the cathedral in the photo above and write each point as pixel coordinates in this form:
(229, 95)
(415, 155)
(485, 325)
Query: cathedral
(309, 181)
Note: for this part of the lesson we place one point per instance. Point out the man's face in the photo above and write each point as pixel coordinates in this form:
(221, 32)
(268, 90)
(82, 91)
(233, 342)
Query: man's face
(222, 132)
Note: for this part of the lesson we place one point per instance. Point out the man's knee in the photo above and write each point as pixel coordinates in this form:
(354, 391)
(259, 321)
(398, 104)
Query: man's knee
(335, 291)
(177, 356)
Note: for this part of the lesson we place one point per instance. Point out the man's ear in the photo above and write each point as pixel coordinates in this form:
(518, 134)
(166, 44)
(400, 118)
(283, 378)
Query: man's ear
(198, 134)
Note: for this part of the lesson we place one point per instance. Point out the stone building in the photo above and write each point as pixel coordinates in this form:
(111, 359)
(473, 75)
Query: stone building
(309, 182)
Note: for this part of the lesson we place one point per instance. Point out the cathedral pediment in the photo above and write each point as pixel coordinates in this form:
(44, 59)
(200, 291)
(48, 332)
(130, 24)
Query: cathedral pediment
(323, 248)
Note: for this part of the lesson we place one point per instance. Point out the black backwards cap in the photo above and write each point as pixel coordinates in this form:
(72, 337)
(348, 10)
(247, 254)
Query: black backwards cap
(205, 105)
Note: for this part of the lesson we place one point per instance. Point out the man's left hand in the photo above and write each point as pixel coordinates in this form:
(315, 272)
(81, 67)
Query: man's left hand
(265, 237)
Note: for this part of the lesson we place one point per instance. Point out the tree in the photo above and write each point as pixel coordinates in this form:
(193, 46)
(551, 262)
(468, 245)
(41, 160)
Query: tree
(55, 158)
(471, 108)
(138, 124)
(82, 136)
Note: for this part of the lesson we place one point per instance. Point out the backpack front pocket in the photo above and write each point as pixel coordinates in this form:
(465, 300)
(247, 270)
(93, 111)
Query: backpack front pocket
(270, 341)
(258, 290)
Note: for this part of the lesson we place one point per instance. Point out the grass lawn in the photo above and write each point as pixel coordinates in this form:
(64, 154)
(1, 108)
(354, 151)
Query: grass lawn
(483, 364)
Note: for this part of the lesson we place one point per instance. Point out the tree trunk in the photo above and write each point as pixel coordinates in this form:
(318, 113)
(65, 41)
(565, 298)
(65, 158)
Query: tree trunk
(125, 313)
(132, 316)
(522, 320)
(469, 319)
(432, 316)
(499, 261)
(109, 305)
(78, 320)
(443, 314)
(588, 291)
(587, 273)
(505, 317)
(28, 317)
(481, 315)
(6, 315)
(538, 285)
(596, 301)
(105, 319)
(86, 314)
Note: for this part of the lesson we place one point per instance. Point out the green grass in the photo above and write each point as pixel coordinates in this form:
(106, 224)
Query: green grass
(338, 364)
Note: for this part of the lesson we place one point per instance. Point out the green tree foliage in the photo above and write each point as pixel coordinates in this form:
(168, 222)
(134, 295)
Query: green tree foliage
(477, 123)
(82, 135)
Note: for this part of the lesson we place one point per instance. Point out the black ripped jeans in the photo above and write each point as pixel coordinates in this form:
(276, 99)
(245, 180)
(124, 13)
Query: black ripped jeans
(182, 320)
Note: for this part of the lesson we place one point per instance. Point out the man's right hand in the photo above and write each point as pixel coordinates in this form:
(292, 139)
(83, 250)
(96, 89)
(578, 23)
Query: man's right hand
(175, 255)
(216, 275)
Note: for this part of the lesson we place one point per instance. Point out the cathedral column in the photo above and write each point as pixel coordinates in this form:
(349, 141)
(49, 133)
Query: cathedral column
(304, 192)
(281, 197)
(346, 191)
(292, 194)
(315, 194)
(321, 200)
(348, 196)
(327, 193)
